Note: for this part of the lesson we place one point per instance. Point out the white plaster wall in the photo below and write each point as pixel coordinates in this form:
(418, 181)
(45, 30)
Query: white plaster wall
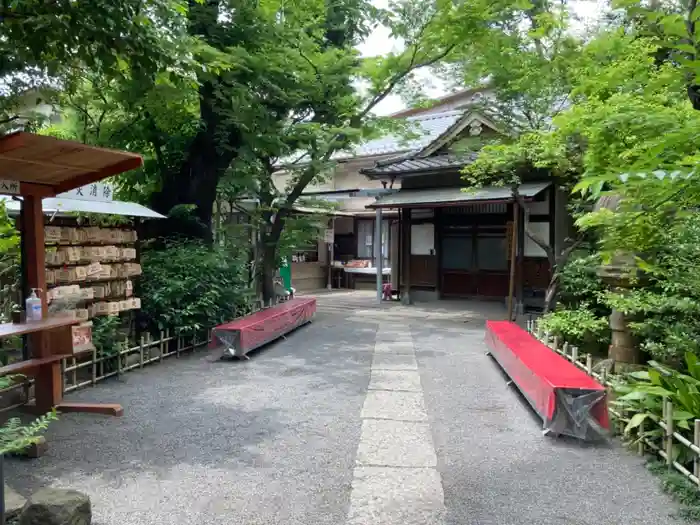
(423, 239)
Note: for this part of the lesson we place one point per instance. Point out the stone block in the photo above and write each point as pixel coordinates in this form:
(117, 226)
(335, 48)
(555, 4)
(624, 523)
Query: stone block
(57, 507)
(14, 503)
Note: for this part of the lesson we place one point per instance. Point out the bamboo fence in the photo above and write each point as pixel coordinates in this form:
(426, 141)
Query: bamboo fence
(90, 368)
(644, 445)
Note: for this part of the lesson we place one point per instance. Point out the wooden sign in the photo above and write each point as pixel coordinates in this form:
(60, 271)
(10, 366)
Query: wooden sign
(82, 338)
(9, 187)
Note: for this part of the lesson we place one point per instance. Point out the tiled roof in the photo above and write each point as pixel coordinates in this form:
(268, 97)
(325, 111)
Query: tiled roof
(454, 195)
(409, 164)
(423, 132)
(426, 127)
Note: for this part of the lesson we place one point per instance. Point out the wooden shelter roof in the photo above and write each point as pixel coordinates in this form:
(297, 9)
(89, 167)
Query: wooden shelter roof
(45, 166)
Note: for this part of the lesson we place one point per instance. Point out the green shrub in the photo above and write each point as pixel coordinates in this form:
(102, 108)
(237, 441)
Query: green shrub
(188, 286)
(665, 306)
(640, 397)
(16, 437)
(580, 284)
(580, 327)
(110, 337)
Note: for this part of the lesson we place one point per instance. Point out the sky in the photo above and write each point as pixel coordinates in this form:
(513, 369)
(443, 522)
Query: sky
(379, 43)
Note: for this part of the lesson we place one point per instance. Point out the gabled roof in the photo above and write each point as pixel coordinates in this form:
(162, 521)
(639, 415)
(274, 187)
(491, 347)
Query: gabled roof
(424, 159)
(428, 128)
(425, 129)
(419, 165)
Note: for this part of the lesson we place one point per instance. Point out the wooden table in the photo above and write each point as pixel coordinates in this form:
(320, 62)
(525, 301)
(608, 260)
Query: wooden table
(52, 323)
(54, 345)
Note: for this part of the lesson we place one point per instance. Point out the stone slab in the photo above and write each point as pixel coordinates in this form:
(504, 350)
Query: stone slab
(14, 502)
(399, 406)
(394, 362)
(396, 444)
(400, 380)
(396, 496)
(393, 347)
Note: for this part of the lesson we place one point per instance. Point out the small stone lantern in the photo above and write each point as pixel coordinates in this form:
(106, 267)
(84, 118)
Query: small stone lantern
(618, 275)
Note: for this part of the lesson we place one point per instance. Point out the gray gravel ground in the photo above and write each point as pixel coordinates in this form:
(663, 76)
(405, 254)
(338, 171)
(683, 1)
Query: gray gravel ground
(498, 469)
(267, 441)
(274, 440)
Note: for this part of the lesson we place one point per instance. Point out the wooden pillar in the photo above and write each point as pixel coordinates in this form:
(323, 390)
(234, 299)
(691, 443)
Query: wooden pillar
(378, 253)
(520, 273)
(49, 383)
(406, 255)
(399, 256)
(513, 253)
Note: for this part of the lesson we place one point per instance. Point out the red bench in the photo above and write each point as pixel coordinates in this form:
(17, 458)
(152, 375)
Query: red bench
(253, 331)
(569, 401)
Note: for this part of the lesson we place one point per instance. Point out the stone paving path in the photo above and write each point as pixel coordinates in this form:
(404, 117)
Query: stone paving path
(371, 415)
(395, 480)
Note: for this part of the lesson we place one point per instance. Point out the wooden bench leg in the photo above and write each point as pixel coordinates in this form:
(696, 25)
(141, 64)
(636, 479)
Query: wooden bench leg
(92, 408)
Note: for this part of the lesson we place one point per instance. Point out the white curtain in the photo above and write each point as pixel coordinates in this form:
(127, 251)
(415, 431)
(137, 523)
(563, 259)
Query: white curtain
(365, 240)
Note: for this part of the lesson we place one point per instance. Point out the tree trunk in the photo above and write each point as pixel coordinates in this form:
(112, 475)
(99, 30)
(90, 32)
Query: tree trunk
(197, 179)
(551, 294)
(268, 267)
(267, 276)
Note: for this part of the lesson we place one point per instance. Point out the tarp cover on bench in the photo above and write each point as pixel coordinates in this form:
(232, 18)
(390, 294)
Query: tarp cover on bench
(252, 331)
(569, 401)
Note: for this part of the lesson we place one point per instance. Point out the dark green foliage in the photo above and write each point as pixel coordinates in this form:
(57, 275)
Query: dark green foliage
(109, 337)
(666, 304)
(189, 286)
(579, 326)
(580, 283)
(580, 318)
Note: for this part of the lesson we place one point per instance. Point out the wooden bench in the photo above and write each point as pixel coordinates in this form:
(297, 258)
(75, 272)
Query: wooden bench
(255, 330)
(568, 400)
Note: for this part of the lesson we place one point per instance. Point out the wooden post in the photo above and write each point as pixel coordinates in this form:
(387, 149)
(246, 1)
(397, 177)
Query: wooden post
(574, 354)
(406, 254)
(520, 272)
(378, 255)
(513, 252)
(640, 444)
(94, 366)
(589, 364)
(49, 385)
(141, 353)
(668, 418)
(696, 440)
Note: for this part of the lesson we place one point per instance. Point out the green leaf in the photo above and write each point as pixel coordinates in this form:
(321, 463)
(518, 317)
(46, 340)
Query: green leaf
(686, 48)
(635, 421)
(695, 14)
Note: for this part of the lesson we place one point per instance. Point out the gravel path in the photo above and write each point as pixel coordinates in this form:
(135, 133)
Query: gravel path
(299, 436)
